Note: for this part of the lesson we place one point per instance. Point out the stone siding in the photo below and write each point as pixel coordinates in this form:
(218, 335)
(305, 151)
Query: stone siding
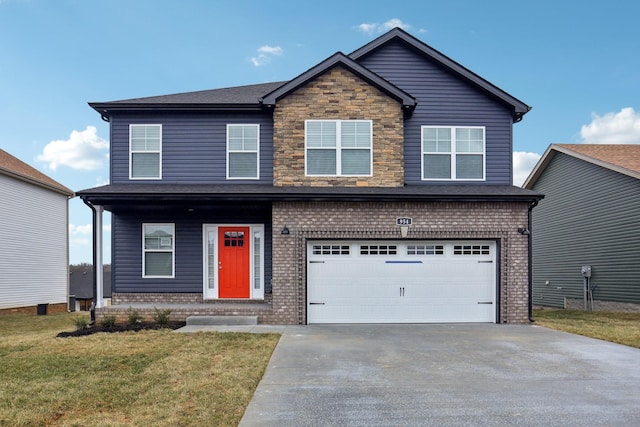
(338, 95)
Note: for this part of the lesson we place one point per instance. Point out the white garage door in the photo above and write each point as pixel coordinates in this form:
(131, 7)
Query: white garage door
(401, 281)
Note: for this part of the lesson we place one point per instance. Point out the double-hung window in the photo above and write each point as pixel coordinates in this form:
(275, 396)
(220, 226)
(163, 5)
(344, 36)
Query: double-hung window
(145, 151)
(338, 147)
(243, 142)
(158, 247)
(453, 153)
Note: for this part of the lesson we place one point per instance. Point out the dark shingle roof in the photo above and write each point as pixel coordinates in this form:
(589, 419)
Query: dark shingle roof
(239, 95)
(127, 195)
(11, 166)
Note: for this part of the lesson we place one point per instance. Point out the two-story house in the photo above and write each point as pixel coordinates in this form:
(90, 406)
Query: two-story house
(374, 187)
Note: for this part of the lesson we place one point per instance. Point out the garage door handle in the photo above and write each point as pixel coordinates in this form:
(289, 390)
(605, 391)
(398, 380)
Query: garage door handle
(487, 262)
(316, 262)
(485, 302)
(316, 303)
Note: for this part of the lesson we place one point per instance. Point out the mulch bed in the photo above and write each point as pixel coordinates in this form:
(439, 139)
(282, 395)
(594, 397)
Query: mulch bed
(120, 328)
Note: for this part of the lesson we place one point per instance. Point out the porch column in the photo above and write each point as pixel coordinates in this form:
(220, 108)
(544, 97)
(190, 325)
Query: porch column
(98, 262)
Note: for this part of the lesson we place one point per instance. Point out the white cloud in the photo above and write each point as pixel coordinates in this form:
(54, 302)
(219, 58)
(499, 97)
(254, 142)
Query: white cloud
(523, 164)
(271, 50)
(80, 230)
(376, 27)
(265, 53)
(84, 150)
(622, 127)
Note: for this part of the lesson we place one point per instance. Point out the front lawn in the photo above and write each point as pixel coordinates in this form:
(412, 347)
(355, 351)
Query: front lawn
(146, 378)
(621, 328)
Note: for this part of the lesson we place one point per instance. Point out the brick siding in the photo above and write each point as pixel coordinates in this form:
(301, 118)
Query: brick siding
(376, 220)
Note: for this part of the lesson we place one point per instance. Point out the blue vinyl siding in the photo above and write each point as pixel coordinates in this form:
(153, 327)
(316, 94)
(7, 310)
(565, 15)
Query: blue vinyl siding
(589, 216)
(127, 247)
(444, 99)
(193, 146)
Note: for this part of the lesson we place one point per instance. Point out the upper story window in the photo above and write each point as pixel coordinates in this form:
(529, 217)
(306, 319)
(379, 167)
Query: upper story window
(158, 249)
(145, 151)
(338, 147)
(453, 153)
(243, 142)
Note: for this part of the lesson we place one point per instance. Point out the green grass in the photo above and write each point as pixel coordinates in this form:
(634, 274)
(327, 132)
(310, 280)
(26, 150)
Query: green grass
(621, 328)
(147, 378)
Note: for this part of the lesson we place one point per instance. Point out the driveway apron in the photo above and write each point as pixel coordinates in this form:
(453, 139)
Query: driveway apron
(445, 375)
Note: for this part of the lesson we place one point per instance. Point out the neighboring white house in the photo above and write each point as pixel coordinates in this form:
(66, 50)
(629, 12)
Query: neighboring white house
(34, 248)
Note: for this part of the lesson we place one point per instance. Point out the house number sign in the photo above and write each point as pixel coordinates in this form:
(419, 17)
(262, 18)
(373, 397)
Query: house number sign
(404, 221)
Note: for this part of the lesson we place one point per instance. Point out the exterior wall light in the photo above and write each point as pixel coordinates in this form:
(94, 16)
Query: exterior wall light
(285, 230)
(524, 231)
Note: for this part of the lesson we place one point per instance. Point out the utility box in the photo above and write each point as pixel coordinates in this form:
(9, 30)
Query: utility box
(586, 271)
(72, 303)
(42, 309)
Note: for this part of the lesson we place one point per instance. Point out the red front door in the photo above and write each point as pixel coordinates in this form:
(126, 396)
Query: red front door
(233, 262)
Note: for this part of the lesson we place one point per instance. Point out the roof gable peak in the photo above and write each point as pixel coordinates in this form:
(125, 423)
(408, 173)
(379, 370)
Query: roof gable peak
(395, 34)
(340, 59)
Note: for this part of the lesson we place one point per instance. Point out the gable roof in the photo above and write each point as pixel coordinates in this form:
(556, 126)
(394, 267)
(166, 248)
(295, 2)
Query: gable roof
(339, 59)
(15, 168)
(255, 97)
(397, 34)
(621, 158)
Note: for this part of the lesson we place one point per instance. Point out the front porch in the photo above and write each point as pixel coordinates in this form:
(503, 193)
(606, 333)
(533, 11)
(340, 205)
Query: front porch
(180, 311)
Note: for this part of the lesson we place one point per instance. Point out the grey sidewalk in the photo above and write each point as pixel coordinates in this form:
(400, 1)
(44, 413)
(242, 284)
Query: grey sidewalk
(445, 375)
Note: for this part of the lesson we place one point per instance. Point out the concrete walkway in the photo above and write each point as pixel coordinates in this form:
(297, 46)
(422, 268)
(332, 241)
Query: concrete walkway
(445, 375)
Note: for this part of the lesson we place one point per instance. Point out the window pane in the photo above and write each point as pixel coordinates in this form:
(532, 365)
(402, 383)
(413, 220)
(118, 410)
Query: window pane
(436, 140)
(437, 166)
(469, 166)
(145, 165)
(356, 134)
(321, 134)
(145, 137)
(469, 140)
(321, 162)
(158, 264)
(243, 137)
(243, 165)
(257, 274)
(158, 237)
(356, 162)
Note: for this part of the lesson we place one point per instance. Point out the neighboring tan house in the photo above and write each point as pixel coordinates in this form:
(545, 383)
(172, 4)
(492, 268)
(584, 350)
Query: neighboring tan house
(34, 249)
(374, 187)
(590, 217)
(81, 285)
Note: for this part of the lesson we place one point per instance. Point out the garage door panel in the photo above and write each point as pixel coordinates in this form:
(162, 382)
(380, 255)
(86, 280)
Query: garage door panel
(392, 282)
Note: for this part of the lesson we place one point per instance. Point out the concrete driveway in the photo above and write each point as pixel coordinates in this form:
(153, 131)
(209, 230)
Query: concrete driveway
(445, 375)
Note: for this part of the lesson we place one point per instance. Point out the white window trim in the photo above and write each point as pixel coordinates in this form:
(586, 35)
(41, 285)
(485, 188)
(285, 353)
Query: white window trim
(173, 251)
(338, 148)
(257, 151)
(453, 153)
(131, 151)
(254, 294)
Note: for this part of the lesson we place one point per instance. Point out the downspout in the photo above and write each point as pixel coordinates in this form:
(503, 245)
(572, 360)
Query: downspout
(92, 309)
(530, 258)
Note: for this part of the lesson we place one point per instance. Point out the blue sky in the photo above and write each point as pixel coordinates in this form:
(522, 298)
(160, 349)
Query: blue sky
(576, 63)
